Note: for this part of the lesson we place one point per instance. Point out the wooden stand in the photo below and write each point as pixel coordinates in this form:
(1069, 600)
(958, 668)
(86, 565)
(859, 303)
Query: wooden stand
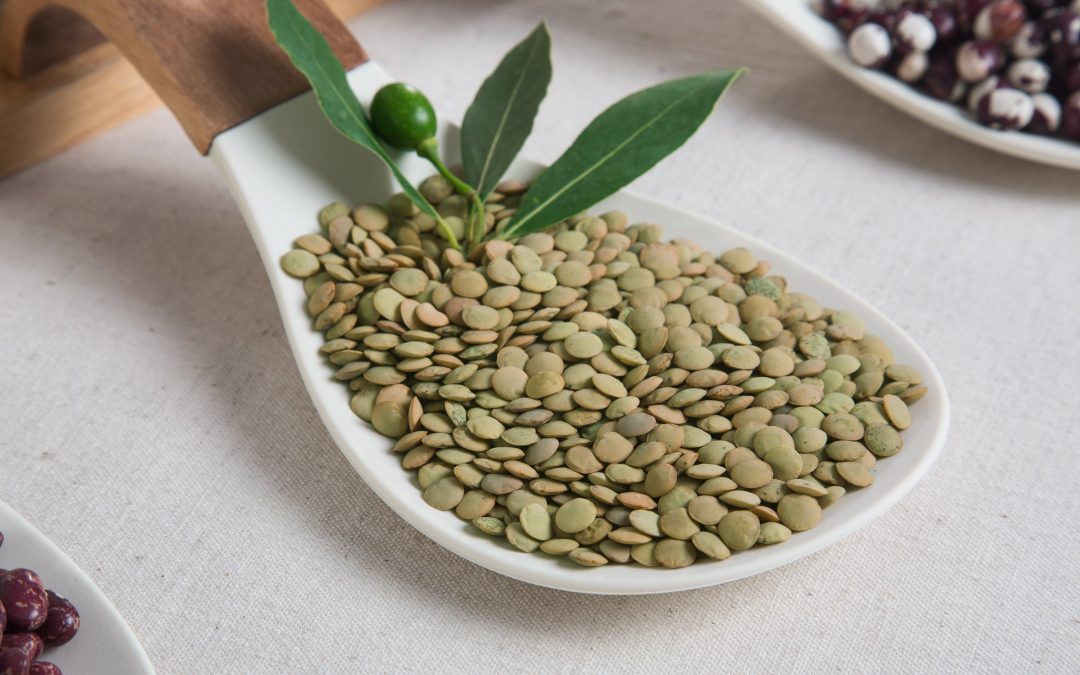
(72, 85)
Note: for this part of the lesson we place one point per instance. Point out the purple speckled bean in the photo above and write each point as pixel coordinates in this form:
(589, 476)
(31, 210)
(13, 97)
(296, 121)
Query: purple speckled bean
(942, 81)
(1017, 62)
(14, 661)
(977, 60)
(28, 642)
(1000, 20)
(846, 14)
(1037, 7)
(26, 604)
(62, 622)
(1047, 116)
(1063, 34)
(3, 619)
(1005, 108)
(1030, 41)
(44, 668)
(1070, 117)
(1072, 78)
(27, 575)
(869, 46)
(944, 20)
(967, 10)
(886, 20)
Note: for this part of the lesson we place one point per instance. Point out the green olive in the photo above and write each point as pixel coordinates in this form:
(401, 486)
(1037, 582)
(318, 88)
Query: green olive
(402, 116)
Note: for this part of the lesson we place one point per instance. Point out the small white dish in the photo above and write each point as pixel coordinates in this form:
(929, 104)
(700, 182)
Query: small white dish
(797, 19)
(105, 644)
(285, 164)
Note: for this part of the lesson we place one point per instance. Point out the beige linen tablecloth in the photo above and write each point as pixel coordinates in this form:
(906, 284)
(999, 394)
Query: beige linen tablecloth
(152, 422)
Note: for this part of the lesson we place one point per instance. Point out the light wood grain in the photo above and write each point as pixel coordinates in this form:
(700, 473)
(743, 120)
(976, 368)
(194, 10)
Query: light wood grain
(60, 104)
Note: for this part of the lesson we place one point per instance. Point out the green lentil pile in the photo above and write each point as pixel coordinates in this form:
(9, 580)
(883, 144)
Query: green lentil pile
(595, 392)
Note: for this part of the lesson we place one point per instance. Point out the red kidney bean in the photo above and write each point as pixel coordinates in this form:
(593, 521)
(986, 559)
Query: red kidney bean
(44, 668)
(26, 604)
(14, 661)
(62, 622)
(27, 642)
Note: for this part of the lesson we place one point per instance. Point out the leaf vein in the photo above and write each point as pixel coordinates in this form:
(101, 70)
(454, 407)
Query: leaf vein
(603, 160)
(505, 116)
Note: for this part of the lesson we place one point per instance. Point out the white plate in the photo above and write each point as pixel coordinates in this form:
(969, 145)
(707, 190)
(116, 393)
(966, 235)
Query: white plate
(104, 644)
(798, 20)
(285, 164)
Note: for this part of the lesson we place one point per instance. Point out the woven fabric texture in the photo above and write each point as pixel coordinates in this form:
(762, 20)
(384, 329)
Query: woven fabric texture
(153, 424)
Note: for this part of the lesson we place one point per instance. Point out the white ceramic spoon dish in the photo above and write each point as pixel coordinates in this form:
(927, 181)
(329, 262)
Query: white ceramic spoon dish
(797, 19)
(283, 165)
(279, 196)
(104, 644)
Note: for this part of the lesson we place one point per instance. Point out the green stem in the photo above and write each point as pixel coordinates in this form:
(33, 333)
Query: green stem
(429, 150)
(444, 227)
(477, 221)
(503, 233)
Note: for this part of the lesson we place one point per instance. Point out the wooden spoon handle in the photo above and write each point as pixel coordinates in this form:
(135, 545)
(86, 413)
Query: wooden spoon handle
(213, 62)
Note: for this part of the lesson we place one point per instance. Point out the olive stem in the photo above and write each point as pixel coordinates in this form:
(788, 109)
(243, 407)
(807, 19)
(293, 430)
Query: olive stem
(444, 227)
(429, 150)
(503, 234)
